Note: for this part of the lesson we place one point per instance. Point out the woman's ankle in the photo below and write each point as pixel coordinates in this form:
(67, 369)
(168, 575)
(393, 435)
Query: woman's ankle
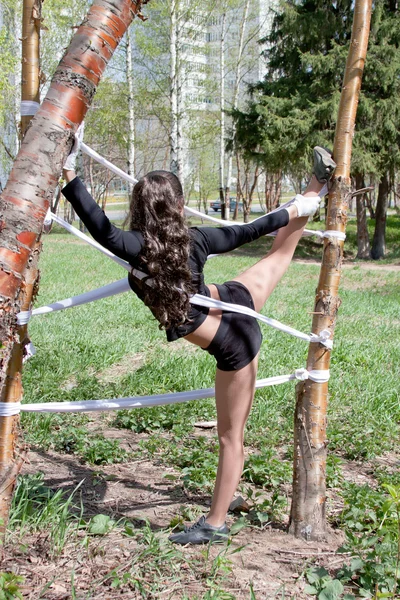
(215, 520)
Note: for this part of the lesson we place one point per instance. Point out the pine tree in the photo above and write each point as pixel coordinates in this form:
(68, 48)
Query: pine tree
(295, 106)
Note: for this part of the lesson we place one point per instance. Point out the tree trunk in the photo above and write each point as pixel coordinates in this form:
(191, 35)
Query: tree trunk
(131, 108)
(29, 190)
(273, 190)
(307, 518)
(379, 240)
(224, 205)
(12, 391)
(362, 228)
(235, 105)
(30, 79)
(175, 134)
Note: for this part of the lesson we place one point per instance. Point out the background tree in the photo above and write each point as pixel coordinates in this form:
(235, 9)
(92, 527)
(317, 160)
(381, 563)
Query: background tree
(295, 106)
(10, 26)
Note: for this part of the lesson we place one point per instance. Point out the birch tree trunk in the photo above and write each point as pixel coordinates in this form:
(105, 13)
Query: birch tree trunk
(29, 190)
(179, 96)
(174, 158)
(307, 518)
(131, 109)
(238, 71)
(224, 206)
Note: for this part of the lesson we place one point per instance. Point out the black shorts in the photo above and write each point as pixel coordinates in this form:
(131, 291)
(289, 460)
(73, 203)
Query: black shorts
(238, 339)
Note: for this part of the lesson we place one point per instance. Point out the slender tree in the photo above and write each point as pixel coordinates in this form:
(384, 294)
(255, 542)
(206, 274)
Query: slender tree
(379, 240)
(131, 105)
(29, 190)
(307, 518)
(224, 207)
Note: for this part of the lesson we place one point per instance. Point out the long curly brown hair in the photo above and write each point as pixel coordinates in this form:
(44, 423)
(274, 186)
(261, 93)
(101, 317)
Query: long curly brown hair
(156, 210)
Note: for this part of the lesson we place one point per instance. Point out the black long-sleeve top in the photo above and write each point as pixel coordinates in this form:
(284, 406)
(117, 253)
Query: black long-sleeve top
(204, 241)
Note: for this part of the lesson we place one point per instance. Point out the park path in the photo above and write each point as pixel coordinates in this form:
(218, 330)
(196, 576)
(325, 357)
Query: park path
(365, 266)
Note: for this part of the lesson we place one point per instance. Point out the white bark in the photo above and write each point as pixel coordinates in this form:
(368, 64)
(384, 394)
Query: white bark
(131, 109)
(224, 214)
(173, 89)
(179, 96)
(236, 91)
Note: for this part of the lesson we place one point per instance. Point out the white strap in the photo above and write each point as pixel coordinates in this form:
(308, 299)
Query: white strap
(122, 285)
(8, 409)
(103, 161)
(330, 233)
(90, 241)
(322, 338)
(199, 300)
(29, 351)
(24, 317)
(117, 287)
(319, 375)
(190, 211)
(29, 108)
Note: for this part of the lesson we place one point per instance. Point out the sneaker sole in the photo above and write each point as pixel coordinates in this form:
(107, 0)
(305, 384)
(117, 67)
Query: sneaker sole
(323, 161)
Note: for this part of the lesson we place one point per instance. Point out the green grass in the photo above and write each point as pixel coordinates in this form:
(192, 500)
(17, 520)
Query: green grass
(82, 342)
(75, 347)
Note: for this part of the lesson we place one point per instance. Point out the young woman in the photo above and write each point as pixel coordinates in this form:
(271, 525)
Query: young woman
(173, 256)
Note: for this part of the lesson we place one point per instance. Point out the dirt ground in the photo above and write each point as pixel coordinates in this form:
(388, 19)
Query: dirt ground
(270, 559)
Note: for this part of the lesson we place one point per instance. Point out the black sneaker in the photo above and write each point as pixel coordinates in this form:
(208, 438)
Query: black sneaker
(324, 165)
(200, 533)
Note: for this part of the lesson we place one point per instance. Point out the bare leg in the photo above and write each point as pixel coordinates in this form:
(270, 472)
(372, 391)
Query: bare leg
(234, 392)
(262, 278)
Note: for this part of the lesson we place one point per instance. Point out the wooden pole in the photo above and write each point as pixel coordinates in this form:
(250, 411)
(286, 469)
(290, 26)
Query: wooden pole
(307, 518)
(26, 197)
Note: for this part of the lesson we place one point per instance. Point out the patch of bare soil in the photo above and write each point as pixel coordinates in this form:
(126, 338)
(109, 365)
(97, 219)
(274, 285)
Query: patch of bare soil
(271, 560)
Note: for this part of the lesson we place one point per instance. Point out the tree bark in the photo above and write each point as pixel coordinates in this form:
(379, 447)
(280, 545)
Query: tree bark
(243, 24)
(379, 240)
(273, 190)
(12, 392)
(175, 152)
(29, 190)
(307, 518)
(131, 108)
(362, 228)
(224, 205)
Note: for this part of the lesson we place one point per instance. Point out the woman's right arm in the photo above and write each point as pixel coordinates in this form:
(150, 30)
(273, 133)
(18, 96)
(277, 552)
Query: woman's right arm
(125, 244)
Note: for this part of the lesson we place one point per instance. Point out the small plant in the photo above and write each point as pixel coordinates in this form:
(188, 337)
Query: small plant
(323, 586)
(102, 451)
(100, 525)
(36, 507)
(9, 586)
(334, 477)
(372, 524)
(266, 469)
(196, 457)
(94, 449)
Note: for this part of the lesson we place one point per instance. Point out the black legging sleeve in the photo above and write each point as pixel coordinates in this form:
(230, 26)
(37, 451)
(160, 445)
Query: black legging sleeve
(225, 239)
(125, 244)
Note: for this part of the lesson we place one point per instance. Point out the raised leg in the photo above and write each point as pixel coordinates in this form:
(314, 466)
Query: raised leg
(262, 278)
